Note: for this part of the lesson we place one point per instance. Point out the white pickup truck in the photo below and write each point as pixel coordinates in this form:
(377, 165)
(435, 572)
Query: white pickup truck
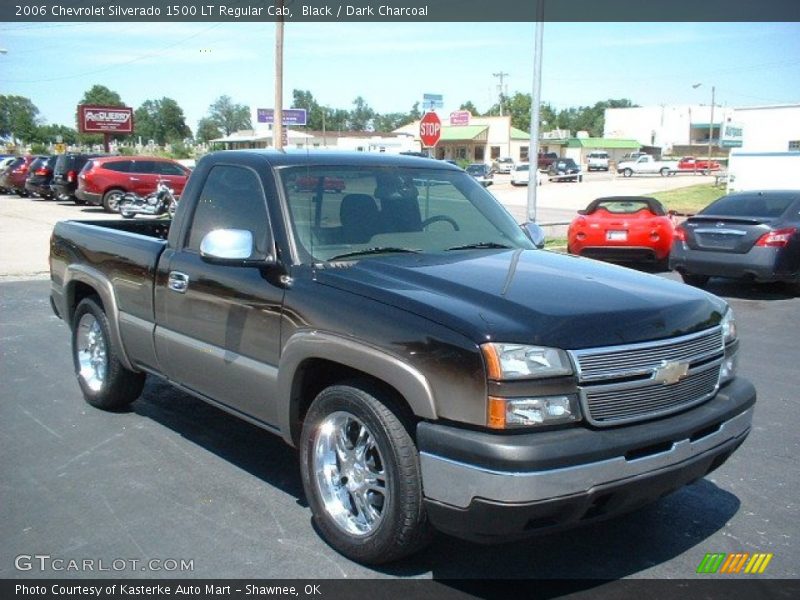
(646, 164)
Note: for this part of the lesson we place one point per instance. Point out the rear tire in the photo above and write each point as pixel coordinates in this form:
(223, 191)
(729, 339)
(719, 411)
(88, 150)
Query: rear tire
(695, 280)
(664, 172)
(361, 475)
(105, 383)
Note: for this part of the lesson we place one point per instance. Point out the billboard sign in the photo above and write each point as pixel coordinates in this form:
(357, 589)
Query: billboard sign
(291, 116)
(460, 117)
(105, 119)
(731, 135)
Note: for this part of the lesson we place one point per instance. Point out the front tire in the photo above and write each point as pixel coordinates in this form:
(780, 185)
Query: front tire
(111, 200)
(627, 172)
(361, 475)
(694, 279)
(105, 383)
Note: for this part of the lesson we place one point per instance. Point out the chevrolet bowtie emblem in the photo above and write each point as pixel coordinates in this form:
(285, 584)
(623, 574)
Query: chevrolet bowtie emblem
(670, 372)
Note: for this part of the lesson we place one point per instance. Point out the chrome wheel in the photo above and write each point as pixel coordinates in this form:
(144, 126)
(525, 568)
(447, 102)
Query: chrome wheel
(350, 475)
(91, 352)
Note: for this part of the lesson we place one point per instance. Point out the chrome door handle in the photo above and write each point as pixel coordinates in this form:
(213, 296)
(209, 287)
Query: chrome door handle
(178, 282)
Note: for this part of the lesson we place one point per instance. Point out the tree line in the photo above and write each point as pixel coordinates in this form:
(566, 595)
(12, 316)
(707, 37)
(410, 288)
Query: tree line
(163, 121)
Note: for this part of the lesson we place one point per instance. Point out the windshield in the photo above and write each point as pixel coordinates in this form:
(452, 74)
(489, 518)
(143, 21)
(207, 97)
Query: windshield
(379, 209)
(476, 169)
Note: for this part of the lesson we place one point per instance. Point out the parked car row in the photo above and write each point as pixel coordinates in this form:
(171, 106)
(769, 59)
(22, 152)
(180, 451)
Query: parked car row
(753, 236)
(95, 179)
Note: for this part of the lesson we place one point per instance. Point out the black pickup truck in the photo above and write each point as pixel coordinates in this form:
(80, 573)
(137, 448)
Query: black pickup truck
(434, 368)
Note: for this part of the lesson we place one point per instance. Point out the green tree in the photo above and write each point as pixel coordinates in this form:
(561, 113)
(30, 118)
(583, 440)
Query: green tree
(47, 134)
(207, 130)
(101, 96)
(228, 116)
(361, 116)
(415, 112)
(161, 120)
(468, 105)
(19, 118)
(314, 112)
(389, 121)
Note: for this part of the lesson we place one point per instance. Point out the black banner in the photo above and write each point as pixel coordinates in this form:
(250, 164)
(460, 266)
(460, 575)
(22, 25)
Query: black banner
(721, 588)
(400, 10)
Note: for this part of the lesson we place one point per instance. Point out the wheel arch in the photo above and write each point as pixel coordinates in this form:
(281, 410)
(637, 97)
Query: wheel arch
(312, 361)
(81, 281)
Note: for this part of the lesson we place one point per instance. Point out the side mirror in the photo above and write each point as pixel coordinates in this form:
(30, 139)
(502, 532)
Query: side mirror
(231, 247)
(535, 233)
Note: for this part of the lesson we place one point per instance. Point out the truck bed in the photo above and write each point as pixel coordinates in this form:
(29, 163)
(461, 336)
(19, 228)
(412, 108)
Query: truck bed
(124, 252)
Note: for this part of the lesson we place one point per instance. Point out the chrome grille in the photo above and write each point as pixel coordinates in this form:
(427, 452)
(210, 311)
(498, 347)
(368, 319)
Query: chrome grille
(610, 406)
(618, 384)
(636, 359)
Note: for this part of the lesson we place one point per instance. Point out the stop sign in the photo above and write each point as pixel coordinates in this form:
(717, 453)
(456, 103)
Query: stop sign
(430, 129)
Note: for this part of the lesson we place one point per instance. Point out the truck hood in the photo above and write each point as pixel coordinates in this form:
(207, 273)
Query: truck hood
(530, 296)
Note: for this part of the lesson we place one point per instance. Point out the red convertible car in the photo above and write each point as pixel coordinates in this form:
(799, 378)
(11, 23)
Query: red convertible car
(622, 229)
(690, 163)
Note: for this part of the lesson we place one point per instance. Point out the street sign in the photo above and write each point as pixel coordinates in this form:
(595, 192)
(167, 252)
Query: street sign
(460, 117)
(61, 148)
(291, 116)
(432, 101)
(430, 129)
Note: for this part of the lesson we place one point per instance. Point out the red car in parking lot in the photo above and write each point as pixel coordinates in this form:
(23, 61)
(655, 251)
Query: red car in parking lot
(104, 180)
(702, 165)
(623, 229)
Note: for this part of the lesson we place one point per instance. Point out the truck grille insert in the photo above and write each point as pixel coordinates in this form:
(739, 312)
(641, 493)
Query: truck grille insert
(623, 384)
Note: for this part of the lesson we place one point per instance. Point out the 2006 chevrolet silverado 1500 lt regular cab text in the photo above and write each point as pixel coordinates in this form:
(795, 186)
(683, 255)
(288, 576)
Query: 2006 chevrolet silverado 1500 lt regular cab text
(432, 366)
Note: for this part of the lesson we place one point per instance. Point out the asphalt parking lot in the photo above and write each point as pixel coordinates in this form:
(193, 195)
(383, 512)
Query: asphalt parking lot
(174, 479)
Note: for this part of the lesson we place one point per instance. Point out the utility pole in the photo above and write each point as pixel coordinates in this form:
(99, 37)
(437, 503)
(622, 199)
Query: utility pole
(536, 100)
(277, 125)
(711, 127)
(501, 76)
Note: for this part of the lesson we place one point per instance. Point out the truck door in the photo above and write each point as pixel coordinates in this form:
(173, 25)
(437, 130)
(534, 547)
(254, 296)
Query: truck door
(218, 325)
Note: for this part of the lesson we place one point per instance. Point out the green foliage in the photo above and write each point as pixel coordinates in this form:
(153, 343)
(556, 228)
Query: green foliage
(468, 105)
(690, 199)
(126, 150)
(315, 114)
(207, 130)
(361, 116)
(179, 150)
(161, 120)
(39, 149)
(49, 134)
(228, 116)
(19, 118)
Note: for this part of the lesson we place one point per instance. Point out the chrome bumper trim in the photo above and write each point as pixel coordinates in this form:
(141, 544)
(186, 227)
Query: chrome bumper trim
(457, 484)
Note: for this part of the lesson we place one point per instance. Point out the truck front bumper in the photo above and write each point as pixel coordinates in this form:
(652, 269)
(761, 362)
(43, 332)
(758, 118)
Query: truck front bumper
(489, 487)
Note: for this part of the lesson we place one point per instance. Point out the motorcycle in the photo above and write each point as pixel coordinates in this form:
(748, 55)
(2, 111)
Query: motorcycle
(161, 201)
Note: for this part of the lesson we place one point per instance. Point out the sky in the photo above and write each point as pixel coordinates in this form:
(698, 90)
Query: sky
(392, 65)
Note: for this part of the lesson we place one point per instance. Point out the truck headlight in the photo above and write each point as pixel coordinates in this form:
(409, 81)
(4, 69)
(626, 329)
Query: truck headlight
(507, 413)
(730, 363)
(517, 361)
(728, 324)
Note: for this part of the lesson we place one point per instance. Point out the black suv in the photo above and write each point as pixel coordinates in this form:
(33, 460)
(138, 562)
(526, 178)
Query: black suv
(65, 175)
(564, 169)
(40, 174)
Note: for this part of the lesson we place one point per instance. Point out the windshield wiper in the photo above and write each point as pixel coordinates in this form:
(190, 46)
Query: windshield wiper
(479, 245)
(375, 250)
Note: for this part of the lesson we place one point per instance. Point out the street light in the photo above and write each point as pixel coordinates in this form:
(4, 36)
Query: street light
(711, 123)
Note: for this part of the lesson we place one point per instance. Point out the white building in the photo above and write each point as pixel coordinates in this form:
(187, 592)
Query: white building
(687, 129)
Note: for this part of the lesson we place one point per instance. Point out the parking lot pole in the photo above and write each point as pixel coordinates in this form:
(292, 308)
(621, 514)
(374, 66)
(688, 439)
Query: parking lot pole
(536, 98)
(277, 125)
